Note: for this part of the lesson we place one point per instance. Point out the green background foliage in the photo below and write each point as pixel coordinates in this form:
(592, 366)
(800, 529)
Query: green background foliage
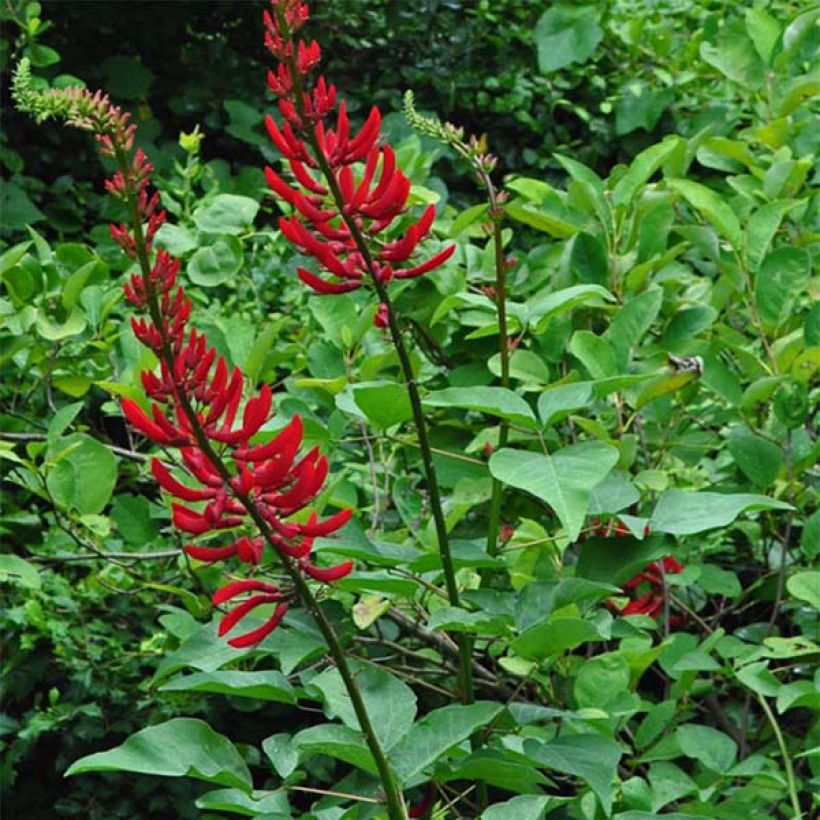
(663, 221)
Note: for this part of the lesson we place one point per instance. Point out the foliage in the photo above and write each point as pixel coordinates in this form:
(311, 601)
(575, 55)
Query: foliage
(660, 247)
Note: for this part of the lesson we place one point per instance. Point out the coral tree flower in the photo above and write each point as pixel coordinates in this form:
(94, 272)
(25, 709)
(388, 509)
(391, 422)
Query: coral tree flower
(646, 590)
(225, 480)
(343, 190)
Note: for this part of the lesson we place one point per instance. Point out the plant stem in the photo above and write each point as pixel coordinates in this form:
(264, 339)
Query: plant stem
(494, 522)
(784, 752)
(395, 803)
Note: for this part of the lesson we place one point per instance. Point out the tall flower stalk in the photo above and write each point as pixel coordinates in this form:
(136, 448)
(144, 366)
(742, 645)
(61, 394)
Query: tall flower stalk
(483, 165)
(345, 192)
(239, 485)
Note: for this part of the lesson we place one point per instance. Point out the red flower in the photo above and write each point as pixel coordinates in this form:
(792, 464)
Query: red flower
(334, 213)
(646, 590)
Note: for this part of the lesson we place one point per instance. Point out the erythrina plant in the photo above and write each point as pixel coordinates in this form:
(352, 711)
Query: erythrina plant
(338, 218)
(195, 406)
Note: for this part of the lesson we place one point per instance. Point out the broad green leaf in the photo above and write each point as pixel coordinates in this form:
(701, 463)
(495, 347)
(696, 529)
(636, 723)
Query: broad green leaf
(687, 323)
(204, 650)
(711, 748)
(558, 402)
(782, 277)
(712, 207)
(759, 459)
(669, 783)
(566, 34)
(61, 421)
(226, 213)
(437, 732)
(734, 55)
(271, 805)
(182, 747)
(384, 404)
(337, 741)
(453, 619)
(500, 768)
(641, 169)
(53, 331)
(268, 685)
(589, 260)
(615, 493)
(391, 703)
(563, 479)
(523, 807)
(543, 219)
(594, 758)
(805, 586)
(759, 678)
(641, 107)
(553, 638)
(281, 753)
(175, 239)
(632, 321)
(547, 305)
(467, 218)
(617, 560)
(85, 478)
(761, 228)
(12, 256)
(20, 571)
(494, 401)
(764, 32)
(215, 264)
(662, 386)
(595, 353)
(525, 365)
(132, 515)
(601, 679)
(682, 512)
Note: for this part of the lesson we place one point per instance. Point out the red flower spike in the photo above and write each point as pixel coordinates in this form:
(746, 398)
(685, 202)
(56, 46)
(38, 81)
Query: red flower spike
(381, 319)
(176, 488)
(235, 588)
(209, 554)
(241, 610)
(324, 287)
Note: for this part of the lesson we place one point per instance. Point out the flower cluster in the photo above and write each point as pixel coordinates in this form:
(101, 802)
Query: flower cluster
(337, 214)
(226, 485)
(646, 589)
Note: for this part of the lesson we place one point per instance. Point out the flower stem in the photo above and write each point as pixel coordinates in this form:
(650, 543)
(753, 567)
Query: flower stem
(784, 752)
(393, 797)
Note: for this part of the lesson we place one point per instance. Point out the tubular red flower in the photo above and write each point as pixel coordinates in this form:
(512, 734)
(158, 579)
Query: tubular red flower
(256, 635)
(327, 574)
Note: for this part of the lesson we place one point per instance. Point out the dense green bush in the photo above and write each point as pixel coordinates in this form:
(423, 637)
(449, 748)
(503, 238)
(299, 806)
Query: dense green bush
(661, 238)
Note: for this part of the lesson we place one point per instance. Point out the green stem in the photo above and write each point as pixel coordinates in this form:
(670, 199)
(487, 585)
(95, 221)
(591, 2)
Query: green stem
(494, 523)
(395, 803)
(784, 752)
(465, 647)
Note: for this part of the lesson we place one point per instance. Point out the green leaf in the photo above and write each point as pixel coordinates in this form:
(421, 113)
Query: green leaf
(12, 256)
(615, 493)
(14, 568)
(641, 107)
(267, 685)
(563, 479)
(226, 213)
(681, 512)
(712, 207)
(437, 732)
(17, 209)
(132, 515)
(759, 679)
(553, 638)
(549, 220)
(548, 305)
(558, 402)
(383, 403)
(85, 478)
(761, 228)
(503, 769)
(337, 741)
(631, 323)
(204, 650)
(589, 260)
(566, 34)
(601, 679)
(523, 807)
(783, 276)
(61, 421)
(764, 32)
(391, 703)
(454, 619)
(805, 586)
(595, 353)
(734, 55)
(216, 264)
(273, 805)
(617, 560)
(641, 169)
(759, 459)
(284, 757)
(711, 748)
(182, 747)
(54, 332)
(175, 239)
(494, 401)
(593, 758)
(75, 283)
(687, 323)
